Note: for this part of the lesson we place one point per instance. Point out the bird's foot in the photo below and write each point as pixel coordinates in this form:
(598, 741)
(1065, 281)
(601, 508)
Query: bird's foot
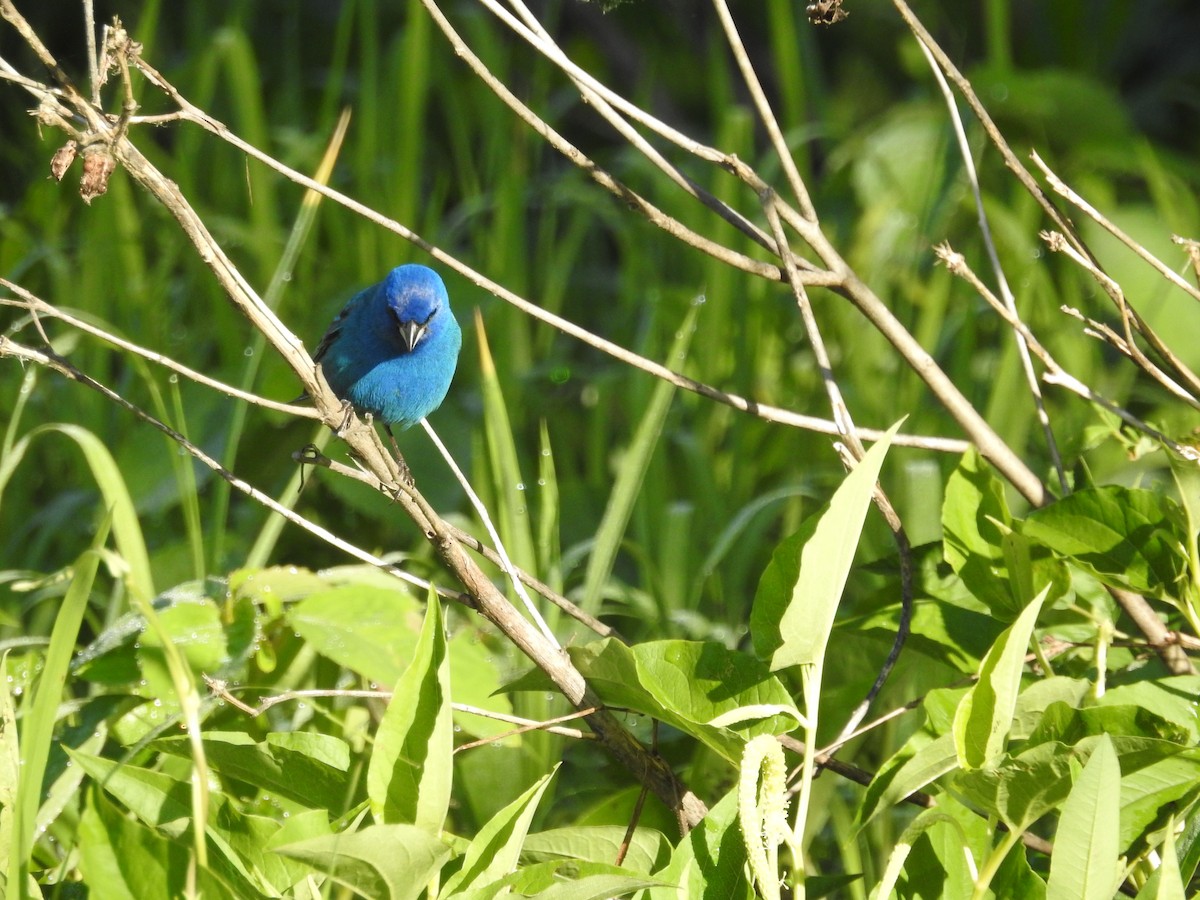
(347, 417)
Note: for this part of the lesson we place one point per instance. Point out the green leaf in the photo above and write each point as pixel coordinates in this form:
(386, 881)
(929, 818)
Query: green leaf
(892, 785)
(690, 685)
(927, 820)
(1128, 538)
(1016, 878)
(1170, 698)
(1084, 865)
(37, 725)
(647, 849)
(192, 623)
(1152, 795)
(10, 768)
(511, 507)
(410, 773)
(496, 849)
(710, 861)
(775, 588)
(156, 798)
(975, 518)
(825, 564)
(1165, 882)
(949, 634)
(388, 862)
(369, 630)
(124, 860)
(1022, 790)
(563, 879)
(309, 768)
(985, 714)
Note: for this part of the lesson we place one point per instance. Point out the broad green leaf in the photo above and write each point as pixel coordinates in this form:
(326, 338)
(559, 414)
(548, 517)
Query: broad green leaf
(925, 821)
(1084, 865)
(1038, 696)
(647, 851)
(309, 768)
(1021, 790)
(949, 634)
(1127, 537)
(1016, 878)
(632, 471)
(1165, 882)
(369, 630)
(710, 861)
(975, 518)
(985, 714)
(688, 684)
(124, 860)
(597, 887)
(893, 784)
(159, 800)
(386, 862)
(195, 627)
(1172, 698)
(949, 853)
(410, 772)
(825, 564)
(274, 586)
(775, 588)
(36, 730)
(1064, 724)
(1152, 795)
(476, 683)
(496, 849)
(563, 879)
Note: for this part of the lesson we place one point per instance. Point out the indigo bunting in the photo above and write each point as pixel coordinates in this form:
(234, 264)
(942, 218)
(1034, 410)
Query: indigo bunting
(393, 348)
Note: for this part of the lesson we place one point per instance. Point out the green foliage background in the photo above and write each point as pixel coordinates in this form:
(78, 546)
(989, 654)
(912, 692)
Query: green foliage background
(1101, 90)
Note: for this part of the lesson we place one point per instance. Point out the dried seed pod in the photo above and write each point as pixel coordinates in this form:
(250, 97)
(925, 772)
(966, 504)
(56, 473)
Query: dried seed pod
(98, 165)
(62, 159)
(826, 12)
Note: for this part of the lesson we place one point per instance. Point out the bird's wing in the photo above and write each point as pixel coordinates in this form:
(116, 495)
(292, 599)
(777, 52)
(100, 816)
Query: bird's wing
(335, 328)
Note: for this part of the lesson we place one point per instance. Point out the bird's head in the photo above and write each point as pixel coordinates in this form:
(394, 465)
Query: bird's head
(416, 297)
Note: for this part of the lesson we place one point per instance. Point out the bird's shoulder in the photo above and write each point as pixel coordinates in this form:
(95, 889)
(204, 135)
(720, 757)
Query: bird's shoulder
(353, 305)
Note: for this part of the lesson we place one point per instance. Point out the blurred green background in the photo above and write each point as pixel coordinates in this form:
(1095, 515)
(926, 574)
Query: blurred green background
(1107, 92)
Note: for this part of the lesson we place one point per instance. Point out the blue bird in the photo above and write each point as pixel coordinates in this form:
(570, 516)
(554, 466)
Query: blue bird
(393, 348)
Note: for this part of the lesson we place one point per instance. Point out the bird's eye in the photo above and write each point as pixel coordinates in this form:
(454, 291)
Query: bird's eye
(432, 313)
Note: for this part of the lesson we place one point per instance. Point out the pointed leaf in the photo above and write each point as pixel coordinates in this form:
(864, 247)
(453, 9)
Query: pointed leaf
(496, 849)
(1129, 538)
(825, 564)
(1084, 865)
(388, 862)
(409, 776)
(985, 715)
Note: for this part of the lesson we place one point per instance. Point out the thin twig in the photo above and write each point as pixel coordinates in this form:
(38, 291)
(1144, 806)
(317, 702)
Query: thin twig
(38, 306)
(311, 456)
(505, 563)
(56, 363)
(985, 231)
(765, 115)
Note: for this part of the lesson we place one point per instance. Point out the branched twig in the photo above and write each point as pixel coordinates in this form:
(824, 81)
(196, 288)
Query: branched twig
(1010, 302)
(37, 306)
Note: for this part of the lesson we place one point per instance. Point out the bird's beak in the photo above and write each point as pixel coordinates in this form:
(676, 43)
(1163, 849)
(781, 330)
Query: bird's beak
(411, 333)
